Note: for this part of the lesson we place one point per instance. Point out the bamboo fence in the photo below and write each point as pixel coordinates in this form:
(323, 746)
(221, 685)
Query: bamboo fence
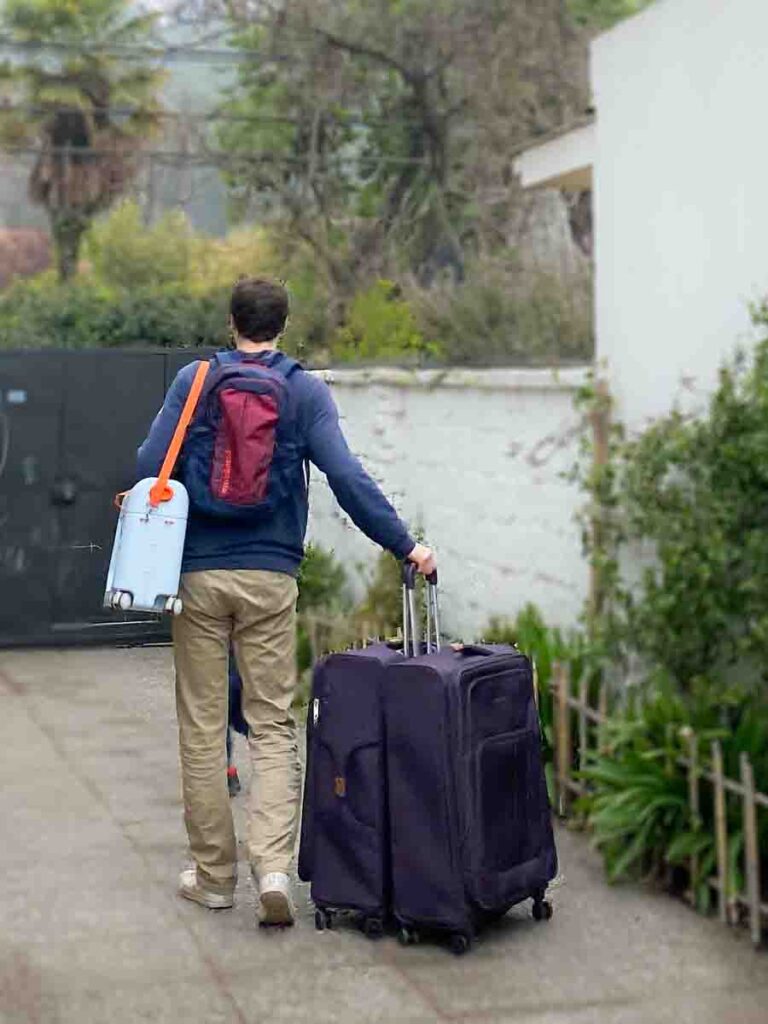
(574, 717)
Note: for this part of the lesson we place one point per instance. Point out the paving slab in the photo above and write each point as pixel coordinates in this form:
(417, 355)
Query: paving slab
(91, 929)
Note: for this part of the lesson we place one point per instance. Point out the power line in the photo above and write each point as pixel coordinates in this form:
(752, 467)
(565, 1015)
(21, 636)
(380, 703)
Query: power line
(214, 116)
(217, 158)
(185, 52)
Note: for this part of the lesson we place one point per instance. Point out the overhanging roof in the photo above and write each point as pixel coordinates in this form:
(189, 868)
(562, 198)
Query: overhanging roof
(561, 161)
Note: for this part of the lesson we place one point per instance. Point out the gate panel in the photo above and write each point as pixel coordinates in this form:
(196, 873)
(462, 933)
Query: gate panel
(111, 397)
(31, 403)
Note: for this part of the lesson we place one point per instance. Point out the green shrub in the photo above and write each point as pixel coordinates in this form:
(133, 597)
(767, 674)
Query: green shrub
(322, 582)
(381, 608)
(380, 326)
(638, 807)
(322, 585)
(502, 315)
(43, 314)
(124, 252)
(692, 493)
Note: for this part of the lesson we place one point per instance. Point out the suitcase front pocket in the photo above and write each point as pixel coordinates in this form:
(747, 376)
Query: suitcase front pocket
(508, 800)
(350, 787)
(348, 868)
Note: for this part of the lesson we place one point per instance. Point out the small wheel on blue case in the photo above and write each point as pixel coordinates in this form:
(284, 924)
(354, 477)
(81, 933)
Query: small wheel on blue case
(319, 920)
(542, 910)
(407, 937)
(372, 927)
(460, 944)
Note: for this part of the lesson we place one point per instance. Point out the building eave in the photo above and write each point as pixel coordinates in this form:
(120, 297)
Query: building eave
(561, 161)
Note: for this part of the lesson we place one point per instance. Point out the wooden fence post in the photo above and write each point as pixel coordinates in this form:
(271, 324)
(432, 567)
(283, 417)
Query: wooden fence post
(751, 852)
(602, 710)
(600, 423)
(583, 737)
(313, 638)
(721, 832)
(564, 749)
(695, 804)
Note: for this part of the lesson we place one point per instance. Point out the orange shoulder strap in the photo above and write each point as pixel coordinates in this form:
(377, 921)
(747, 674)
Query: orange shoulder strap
(160, 489)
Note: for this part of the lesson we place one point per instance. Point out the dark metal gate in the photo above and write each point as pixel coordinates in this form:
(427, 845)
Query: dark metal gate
(70, 423)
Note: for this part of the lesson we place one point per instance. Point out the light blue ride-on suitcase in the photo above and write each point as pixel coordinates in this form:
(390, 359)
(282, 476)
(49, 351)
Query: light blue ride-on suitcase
(145, 568)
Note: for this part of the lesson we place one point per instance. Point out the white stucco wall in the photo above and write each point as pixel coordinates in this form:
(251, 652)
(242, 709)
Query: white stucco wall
(681, 204)
(475, 459)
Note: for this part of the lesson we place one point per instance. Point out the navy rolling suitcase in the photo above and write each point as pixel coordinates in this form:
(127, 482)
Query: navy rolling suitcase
(344, 847)
(470, 822)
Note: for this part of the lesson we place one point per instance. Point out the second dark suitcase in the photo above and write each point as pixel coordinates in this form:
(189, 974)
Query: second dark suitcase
(471, 830)
(344, 850)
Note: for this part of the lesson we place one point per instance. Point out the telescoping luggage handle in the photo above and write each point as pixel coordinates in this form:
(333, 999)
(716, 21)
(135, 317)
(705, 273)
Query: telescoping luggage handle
(410, 640)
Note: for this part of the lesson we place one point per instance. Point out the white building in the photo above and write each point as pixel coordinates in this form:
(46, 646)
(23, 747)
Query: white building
(677, 160)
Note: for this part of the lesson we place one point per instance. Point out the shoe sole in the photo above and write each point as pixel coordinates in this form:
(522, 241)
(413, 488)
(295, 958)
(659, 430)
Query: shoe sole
(276, 910)
(211, 901)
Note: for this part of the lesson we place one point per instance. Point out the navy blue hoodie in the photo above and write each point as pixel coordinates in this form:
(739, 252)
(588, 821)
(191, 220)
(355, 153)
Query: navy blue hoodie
(277, 543)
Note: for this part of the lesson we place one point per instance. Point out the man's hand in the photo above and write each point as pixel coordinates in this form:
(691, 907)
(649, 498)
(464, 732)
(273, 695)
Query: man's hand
(424, 559)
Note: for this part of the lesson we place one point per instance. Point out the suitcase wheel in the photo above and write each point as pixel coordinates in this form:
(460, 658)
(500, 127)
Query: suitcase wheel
(372, 927)
(460, 944)
(323, 920)
(122, 599)
(408, 937)
(174, 605)
(542, 910)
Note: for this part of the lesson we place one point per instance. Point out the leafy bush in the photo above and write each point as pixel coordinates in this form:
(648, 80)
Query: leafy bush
(638, 808)
(381, 608)
(322, 585)
(121, 251)
(693, 493)
(44, 314)
(124, 252)
(501, 315)
(322, 582)
(380, 326)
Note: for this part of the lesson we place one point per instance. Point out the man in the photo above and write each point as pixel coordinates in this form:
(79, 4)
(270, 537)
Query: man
(238, 585)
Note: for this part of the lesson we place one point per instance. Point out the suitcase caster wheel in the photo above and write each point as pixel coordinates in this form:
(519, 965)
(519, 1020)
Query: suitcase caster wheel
(323, 920)
(372, 927)
(174, 605)
(122, 600)
(459, 944)
(408, 937)
(542, 910)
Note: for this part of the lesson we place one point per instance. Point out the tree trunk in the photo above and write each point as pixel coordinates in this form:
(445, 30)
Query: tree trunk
(67, 229)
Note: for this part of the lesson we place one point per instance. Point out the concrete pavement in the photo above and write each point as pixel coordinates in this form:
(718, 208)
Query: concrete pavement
(91, 841)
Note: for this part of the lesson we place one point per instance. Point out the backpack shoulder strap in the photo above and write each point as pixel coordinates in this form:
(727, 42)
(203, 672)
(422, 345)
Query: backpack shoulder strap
(287, 365)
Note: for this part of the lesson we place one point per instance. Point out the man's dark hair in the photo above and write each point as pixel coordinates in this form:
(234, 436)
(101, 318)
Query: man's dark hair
(259, 308)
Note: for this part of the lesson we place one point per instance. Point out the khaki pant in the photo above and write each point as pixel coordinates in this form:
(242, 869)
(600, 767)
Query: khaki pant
(257, 611)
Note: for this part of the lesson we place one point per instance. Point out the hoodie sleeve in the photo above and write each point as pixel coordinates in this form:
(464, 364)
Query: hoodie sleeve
(152, 452)
(359, 496)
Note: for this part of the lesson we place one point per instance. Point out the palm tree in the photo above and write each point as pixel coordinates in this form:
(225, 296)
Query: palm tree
(75, 91)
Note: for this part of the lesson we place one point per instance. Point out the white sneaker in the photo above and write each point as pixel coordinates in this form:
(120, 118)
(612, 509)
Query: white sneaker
(275, 902)
(190, 890)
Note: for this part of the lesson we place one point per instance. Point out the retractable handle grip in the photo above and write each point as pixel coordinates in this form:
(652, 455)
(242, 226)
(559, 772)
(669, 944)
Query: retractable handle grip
(410, 640)
(409, 575)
